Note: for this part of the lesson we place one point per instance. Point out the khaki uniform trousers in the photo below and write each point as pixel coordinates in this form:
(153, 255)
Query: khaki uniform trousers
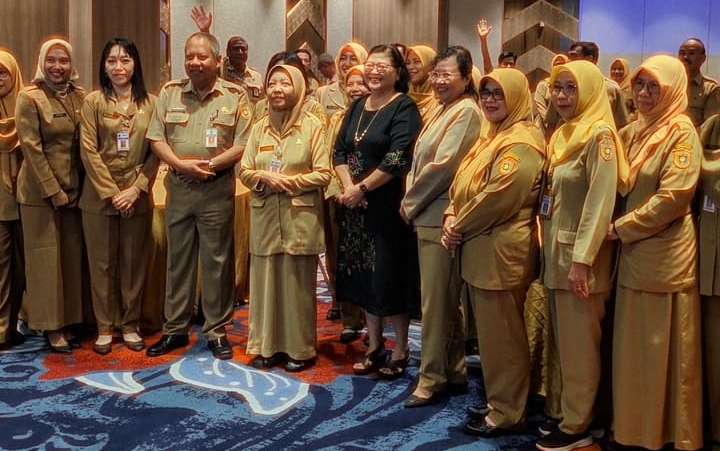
(578, 333)
(504, 352)
(53, 266)
(442, 334)
(711, 343)
(199, 220)
(12, 276)
(117, 257)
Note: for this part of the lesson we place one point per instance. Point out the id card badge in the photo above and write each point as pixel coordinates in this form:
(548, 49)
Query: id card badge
(275, 165)
(708, 205)
(546, 206)
(123, 142)
(211, 138)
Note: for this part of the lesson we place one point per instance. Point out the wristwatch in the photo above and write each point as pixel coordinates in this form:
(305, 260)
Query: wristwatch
(211, 165)
(363, 188)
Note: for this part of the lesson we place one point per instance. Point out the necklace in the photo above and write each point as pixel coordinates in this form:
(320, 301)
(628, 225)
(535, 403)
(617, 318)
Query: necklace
(360, 135)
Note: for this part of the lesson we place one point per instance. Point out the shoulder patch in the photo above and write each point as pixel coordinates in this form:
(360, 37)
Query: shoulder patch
(508, 164)
(245, 113)
(607, 146)
(682, 155)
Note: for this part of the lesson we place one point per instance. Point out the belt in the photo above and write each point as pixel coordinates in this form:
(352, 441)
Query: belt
(218, 174)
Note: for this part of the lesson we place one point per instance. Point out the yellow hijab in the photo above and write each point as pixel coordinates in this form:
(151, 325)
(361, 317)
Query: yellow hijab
(423, 94)
(592, 110)
(282, 120)
(558, 59)
(358, 50)
(8, 133)
(625, 82)
(653, 128)
(40, 74)
(516, 128)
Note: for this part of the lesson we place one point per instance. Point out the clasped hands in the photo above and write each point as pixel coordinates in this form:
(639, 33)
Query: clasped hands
(273, 183)
(352, 197)
(194, 171)
(450, 238)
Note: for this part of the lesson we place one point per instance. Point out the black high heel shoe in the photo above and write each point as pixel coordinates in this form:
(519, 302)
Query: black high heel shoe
(373, 361)
(394, 368)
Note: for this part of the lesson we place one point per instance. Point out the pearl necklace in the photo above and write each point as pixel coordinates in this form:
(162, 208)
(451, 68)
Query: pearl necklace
(360, 135)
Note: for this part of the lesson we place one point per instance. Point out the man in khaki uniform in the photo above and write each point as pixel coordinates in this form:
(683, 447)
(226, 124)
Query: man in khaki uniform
(199, 129)
(703, 92)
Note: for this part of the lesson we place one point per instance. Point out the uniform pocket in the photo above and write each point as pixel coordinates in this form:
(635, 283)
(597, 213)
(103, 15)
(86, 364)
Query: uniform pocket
(176, 122)
(303, 200)
(566, 237)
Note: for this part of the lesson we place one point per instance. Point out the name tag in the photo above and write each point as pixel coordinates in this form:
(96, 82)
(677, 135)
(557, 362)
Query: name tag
(275, 165)
(708, 205)
(123, 142)
(211, 136)
(266, 148)
(59, 114)
(546, 204)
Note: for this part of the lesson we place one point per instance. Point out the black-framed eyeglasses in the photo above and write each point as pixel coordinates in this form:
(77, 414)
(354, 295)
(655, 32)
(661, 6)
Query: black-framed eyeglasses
(496, 94)
(569, 89)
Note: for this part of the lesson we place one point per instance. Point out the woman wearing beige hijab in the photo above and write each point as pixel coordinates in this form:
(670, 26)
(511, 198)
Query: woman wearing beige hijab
(286, 165)
(418, 60)
(333, 97)
(12, 271)
(620, 73)
(657, 371)
(48, 120)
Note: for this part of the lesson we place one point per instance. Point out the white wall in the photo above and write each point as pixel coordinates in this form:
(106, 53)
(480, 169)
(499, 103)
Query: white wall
(464, 15)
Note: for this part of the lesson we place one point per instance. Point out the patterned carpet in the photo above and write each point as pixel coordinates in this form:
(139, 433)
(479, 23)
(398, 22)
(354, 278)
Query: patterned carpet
(188, 401)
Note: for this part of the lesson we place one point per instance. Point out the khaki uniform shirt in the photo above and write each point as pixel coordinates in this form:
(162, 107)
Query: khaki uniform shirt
(108, 170)
(10, 159)
(659, 248)
(709, 208)
(499, 250)
(332, 98)
(251, 80)
(583, 189)
(440, 146)
(47, 127)
(289, 222)
(617, 103)
(182, 119)
(703, 98)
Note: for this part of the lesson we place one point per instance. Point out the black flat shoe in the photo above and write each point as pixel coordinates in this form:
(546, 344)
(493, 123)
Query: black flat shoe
(294, 366)
(478, 412)
(348, 335)
(263, 363)
(62, 349)
(220, 348)
(332, 314)
(416, 401)
(482, 429)
(166, 344)
(102, 349)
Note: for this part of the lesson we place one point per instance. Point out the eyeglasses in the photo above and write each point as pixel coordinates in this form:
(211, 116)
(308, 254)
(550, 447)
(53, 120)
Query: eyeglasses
(444, 76)
(569, 89)
(652, 87)
(496, 94)
(380, 67)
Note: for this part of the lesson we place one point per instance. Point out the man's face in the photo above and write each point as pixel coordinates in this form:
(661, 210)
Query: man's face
(327, 69)
(576, 53)
(692, 55)
(237, 52)
(200, 63)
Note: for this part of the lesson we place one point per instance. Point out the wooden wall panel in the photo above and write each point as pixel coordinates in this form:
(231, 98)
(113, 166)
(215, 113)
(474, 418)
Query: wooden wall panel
(137, 20)
(25, 24)
(405, 21)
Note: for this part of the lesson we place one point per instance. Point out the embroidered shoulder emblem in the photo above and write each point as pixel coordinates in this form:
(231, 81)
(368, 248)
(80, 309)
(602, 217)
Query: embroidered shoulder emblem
(681, 155)
(245, 113)
(508, 163)
(607, 147)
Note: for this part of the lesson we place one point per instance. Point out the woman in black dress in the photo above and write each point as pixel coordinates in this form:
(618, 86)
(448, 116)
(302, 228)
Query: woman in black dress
(371, 155)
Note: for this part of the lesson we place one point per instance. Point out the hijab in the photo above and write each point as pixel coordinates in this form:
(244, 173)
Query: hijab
(516, 128)
(625, 85)
(423, 94)
(356, 49)
(654, 127)
(8, 133)
(282, 121)
(40, 74)
(559, 59)
(592, 110)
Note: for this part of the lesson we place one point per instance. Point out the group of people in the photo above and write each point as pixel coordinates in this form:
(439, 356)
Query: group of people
(436, 191)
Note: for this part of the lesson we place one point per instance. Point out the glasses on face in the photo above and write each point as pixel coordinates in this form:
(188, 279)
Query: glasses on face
(380, 67)
(444, 76)
(569, 89)
(652, 87)
(496, 94)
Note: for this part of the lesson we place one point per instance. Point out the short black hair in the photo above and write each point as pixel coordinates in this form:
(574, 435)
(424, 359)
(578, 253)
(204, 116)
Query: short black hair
(507, 54)
(138, 83)
(588, 48)
(403, 82)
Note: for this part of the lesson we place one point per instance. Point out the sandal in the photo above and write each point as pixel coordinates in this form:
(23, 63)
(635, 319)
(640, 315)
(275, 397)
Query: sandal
(373, 361)
(394, 369)
(348, 335)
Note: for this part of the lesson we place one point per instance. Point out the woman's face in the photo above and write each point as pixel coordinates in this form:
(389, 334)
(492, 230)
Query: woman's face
(347, 60)
(380, 74)
(6, 81)
(493, 103)
(646, 92)
(617, 71)
(447, 81)
(415, 68)
(565, 95)
(119, 66)
(280, 91)
(355, 87)
(57, 65)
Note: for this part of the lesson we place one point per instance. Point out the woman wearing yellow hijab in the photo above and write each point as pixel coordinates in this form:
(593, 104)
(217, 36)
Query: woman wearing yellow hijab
(333, 97)
(542, 96)
(12, 271)
(657, 372)
(586, 169)
(620, 73)
(286, 166)
(418, 60)
(490, 226)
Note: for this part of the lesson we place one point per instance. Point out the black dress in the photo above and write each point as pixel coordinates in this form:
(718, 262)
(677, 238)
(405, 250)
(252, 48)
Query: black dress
(377, 251)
